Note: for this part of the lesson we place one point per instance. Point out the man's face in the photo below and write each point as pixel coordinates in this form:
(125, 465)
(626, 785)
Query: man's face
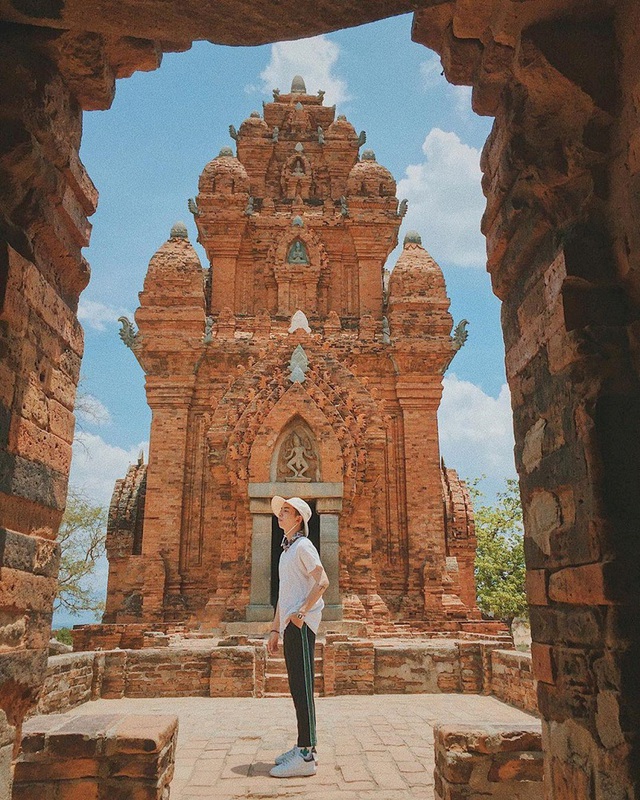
(288, 517)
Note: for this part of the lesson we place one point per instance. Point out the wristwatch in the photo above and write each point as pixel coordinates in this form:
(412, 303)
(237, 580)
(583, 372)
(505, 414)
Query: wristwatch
(301, 614)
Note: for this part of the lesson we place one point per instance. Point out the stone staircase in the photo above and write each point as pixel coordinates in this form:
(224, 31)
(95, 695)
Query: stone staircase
(276, 684)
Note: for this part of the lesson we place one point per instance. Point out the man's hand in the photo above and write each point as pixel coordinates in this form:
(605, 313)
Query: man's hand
(296, 620)
(272, 643)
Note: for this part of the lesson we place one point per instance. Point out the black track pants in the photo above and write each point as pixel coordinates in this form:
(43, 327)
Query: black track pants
(299, 645)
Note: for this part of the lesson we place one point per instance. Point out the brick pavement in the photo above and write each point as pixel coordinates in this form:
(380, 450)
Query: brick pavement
(376, 747)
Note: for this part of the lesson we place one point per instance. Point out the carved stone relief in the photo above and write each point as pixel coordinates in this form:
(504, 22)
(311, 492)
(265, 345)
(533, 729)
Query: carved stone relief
(298, 459)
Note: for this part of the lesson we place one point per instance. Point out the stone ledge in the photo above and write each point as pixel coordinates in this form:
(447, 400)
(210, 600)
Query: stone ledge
(99, 756)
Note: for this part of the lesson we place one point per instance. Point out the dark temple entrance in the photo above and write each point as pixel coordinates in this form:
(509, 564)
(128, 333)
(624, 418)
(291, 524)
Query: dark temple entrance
(276, 549)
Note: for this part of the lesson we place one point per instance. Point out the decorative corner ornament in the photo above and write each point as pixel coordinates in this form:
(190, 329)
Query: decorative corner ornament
(459, 337)
(344, 208)
(127, 332)
(362, 138)
(248, 212)
(233, 133)
(193, 207)
(460, 334)
(402, 208)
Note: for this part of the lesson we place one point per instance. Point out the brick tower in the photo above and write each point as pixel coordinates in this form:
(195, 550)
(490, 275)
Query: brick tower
(292, 365)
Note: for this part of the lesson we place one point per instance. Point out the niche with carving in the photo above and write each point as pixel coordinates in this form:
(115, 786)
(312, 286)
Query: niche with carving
(297, 459)
(297, 177)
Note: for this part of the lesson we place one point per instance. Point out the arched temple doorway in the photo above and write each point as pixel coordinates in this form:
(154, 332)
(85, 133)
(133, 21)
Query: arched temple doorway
(326, 502)
(276, 548)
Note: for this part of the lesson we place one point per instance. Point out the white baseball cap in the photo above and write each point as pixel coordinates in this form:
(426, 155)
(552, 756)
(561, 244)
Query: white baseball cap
(301, 506)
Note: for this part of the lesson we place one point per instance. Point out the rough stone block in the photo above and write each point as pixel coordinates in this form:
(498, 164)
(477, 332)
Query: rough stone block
(583, 585)
(536, 585)
(106, 757)
(542, 662)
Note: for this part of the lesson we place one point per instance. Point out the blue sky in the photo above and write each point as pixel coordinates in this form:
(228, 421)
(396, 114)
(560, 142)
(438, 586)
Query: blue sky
(146, 153)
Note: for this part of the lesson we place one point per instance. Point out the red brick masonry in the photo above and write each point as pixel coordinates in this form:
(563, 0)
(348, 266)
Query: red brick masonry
(512, 679)
(344, 666)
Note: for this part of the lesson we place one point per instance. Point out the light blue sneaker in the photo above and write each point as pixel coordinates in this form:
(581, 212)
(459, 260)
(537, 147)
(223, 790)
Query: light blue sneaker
(286, 756)
(296, 766)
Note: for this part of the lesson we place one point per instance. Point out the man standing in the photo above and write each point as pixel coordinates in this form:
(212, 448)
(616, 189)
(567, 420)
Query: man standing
(303, 581)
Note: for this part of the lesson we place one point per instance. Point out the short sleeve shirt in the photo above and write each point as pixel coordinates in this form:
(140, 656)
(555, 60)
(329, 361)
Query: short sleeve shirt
(296, 565)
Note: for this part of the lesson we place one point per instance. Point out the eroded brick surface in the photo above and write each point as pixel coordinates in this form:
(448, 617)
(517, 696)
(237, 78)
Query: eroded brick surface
(503, 762)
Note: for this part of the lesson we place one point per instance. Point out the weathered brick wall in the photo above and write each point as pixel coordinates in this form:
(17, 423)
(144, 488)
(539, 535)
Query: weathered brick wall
(70, 681)
(414, 667)
(349, 667)
(44, 203)
(127, 636)
(167, 673)
(495, 762)
(237, 671)
(7, 744)
(512, 679)
(560, 171)
(98, 757)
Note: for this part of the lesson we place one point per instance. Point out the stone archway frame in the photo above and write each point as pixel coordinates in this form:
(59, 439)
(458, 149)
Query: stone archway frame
(328, 497)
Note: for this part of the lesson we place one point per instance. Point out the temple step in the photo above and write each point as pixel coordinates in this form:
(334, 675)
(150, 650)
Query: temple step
(276, 682)
(278, 685)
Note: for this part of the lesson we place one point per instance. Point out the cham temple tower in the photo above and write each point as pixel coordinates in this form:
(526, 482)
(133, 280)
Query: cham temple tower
(293, 365)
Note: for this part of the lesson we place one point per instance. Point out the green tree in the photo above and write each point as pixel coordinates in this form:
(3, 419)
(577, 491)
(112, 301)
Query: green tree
(500, 568)
(81, 537)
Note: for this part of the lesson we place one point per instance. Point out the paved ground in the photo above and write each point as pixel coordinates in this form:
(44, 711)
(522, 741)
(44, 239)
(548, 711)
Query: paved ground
(377, 747)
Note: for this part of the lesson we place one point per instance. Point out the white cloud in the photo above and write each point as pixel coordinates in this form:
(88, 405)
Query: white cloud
(315, 59)
(90, 410)
(97, 465)
(98, 315)
(462, 97)
(476, 432)
(445, 199)
(431, 73)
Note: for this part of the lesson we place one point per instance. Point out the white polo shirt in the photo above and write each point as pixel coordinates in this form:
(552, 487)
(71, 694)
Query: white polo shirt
(294, 570)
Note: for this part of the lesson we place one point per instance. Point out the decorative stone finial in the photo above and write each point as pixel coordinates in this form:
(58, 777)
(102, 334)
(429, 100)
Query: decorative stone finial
(255, 114)
(412, 237)
(225, 152)
(341, 118)
(299, 148)
(179, 231)
(299, 321)
(298, 85)
(298, 365)
(368, 155)
(297, 222)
